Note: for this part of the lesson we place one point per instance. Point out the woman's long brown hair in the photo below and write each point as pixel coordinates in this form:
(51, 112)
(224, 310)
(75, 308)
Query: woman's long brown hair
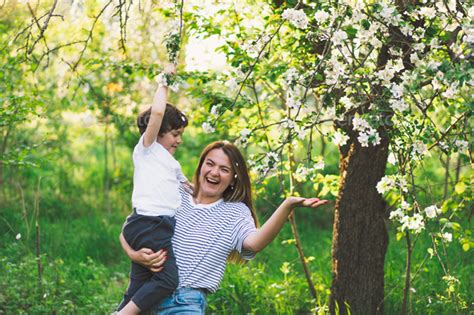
(240, 191)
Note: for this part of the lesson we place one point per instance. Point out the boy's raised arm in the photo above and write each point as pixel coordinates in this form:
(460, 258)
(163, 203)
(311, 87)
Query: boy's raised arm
(157, 110)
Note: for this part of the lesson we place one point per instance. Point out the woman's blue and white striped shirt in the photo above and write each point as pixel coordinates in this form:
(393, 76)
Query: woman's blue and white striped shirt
(204, 237)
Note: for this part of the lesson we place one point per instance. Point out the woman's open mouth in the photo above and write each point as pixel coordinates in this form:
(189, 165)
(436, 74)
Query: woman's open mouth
(212, 181)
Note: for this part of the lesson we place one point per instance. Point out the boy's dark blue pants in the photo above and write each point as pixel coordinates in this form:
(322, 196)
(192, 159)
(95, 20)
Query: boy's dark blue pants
(148, 288)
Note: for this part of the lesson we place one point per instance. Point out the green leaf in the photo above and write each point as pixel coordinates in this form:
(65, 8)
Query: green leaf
(400, 235)
(324, 191)
(456, 226)
(431, 252)
(460, 188)
(466, 247)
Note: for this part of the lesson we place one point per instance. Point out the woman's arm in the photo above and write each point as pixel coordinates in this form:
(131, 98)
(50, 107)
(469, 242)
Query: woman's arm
(264, 235)
(144, 256)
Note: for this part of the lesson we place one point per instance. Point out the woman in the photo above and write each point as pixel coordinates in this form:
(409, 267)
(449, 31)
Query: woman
(214, 223)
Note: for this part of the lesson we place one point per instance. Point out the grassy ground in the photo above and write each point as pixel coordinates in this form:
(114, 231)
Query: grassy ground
(84, 270)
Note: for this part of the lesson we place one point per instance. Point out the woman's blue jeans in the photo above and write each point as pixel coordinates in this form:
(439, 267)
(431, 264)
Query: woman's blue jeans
(183, 301)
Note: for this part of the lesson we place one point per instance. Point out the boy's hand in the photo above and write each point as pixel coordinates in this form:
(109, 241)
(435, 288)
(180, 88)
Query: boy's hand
(189, 187)
(170, 68)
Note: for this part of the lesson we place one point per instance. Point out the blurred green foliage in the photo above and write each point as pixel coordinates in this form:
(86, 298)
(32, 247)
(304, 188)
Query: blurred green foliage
(67, 138)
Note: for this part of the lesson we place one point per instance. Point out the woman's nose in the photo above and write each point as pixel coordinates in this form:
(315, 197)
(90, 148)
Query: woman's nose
(214, 171)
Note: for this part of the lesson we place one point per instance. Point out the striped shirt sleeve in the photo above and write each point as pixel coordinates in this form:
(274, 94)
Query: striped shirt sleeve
(244, 226)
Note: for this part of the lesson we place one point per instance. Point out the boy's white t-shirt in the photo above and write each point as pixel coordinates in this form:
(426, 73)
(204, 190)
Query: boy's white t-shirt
(156, 180)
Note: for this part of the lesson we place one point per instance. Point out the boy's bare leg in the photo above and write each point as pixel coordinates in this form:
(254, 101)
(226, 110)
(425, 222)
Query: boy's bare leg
(130, 309)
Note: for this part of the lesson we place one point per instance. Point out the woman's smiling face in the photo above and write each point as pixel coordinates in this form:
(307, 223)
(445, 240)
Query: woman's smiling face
(215, 176)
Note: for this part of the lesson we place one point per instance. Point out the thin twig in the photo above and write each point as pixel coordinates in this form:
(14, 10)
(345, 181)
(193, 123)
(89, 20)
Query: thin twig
(43, 29)
(89, 37)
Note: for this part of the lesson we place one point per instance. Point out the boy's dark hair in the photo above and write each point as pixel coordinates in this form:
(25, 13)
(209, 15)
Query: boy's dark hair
(172, 119)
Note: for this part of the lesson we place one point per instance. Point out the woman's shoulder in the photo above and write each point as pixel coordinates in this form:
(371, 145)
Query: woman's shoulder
(184, 190)
(238, 208)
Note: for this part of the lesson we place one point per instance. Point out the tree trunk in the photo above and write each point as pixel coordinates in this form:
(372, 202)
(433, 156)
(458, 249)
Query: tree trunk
(360, 237)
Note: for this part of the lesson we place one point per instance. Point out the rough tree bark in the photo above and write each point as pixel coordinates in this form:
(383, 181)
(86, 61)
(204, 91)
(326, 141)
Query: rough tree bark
(360, 237)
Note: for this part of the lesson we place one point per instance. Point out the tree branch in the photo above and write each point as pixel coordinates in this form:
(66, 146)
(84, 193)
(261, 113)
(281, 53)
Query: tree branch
(45, 26)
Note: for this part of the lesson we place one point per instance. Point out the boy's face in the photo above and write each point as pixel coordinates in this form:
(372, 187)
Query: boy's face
(171, 140)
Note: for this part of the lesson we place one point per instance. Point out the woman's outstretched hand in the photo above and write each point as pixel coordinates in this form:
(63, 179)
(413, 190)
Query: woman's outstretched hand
(258, 240)
(305, 202)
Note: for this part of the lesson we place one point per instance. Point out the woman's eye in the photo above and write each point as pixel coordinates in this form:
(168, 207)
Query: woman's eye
(225, 170)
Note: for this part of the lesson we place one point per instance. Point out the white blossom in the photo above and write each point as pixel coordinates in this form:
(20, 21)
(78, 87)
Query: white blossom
(208, 128)
(405, 205)
(296, 17)
(302, 133)
(389, 14)
(254, 47)
(385, 184)
(396, 214)
(330, 113)
(437, 83)
(338, 37)
(360, 124)
(397, 90)
(433, 65)
(319, 165)
(301, 173)
(369, 136)
(374, 41)
(414, 59)
(468, 35)
(427, 12)
(402, 184)
(420, 148)
(288, 124)
(461, 145)
(443, 145)
(18, 236)
(347, 102)
(231, 83)
(470, 12)
(291, 75)
(244, 133)
(448, 237)
(392, 159)
(292, 100)
(398, 105)
(385, 75)
(407, 29)
(321, 16)
(432, 211)
(273, 156)
(416, 223)
(215, 110)
(363, 139)
(340, 138)
(396, 65)
(450, 92)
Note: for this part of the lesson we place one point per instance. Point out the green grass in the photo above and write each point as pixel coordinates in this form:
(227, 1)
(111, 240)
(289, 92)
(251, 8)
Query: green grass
(86, 271)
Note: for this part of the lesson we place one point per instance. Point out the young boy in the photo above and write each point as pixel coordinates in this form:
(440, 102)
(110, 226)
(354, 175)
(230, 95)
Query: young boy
(156, 179)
